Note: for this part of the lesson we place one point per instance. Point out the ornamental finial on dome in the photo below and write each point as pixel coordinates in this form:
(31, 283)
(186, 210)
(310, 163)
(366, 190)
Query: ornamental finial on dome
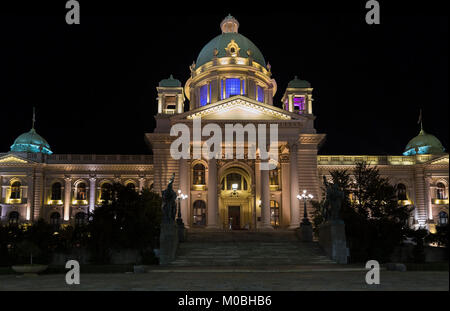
(229, 24)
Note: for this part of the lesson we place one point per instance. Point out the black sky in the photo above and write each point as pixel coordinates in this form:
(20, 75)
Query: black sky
(94, 84)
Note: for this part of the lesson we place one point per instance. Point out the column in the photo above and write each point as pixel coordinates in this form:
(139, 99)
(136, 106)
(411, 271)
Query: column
(180, 103)
(212, 194)
(184, 187)
(141, 183)
(290, 103)
(420, 197)
(309, 102)
(67, 197)
(428, 206)
(92, 187)
(160, 104)
(38, 194)
(265, 199)
(286, 193)
(295, 222)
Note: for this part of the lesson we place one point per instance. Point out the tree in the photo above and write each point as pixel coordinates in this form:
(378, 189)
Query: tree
(129, 220)
(374, 221)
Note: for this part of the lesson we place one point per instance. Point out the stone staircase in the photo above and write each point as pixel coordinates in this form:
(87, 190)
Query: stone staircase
(246, 248)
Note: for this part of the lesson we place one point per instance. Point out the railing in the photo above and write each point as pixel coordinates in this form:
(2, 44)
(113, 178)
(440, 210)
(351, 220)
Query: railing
(373, 160)
(100, 159)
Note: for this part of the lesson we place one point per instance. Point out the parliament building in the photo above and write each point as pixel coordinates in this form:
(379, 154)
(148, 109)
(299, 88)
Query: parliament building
(230, 83)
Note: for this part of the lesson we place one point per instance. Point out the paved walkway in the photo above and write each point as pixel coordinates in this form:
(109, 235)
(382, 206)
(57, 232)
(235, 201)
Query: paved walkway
(235, 281)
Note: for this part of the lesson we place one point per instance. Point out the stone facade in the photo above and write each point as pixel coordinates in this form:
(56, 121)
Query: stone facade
(230, 85)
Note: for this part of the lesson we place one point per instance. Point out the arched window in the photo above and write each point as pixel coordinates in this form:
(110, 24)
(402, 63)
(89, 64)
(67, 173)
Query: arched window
(234, 181)
(81, 191)
(131, 186)
(106, 192)
(443, 218)
(55, 219)
(56, 191)
(80, 218)
(440, 191)
(199, 213)
(15, 190)
(13, 218)
(401, 192)
(199, 174)
(274, 213)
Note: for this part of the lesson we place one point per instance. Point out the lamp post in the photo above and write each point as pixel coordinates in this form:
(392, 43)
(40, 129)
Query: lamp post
(305, 226)
(180, 223)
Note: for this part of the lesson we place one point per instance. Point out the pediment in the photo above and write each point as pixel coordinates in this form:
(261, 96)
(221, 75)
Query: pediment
(12, 159)
(239, 108)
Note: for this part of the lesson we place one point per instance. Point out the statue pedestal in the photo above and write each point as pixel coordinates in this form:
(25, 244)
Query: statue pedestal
(168, 243)
(332, 239)
(181, 230)
(306, 232)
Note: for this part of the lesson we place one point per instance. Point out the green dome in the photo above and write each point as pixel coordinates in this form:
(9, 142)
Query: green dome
(171, 82)
(424, 144)
(221, 42)
(31, 142)
(297, 83)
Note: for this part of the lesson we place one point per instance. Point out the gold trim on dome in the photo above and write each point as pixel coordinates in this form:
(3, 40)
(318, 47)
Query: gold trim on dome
(232, 49)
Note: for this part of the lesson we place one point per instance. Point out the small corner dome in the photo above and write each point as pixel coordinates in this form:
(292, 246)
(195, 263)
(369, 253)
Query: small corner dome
(424, 144)
(297, 83)
(31, 142)
(229, 27)
(170, 82)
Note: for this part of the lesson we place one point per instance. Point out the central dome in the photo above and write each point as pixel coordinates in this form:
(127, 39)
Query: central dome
(229, 32)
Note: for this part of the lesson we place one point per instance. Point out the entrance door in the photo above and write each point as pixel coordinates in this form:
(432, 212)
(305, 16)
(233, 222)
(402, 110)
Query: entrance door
(234, 217)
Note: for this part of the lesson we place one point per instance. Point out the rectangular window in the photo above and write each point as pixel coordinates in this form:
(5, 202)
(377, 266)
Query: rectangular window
(233, 87)
(260, 94)
(203, 95)
(210, 93)
(221, 89)
(243, 87)
(299, 104)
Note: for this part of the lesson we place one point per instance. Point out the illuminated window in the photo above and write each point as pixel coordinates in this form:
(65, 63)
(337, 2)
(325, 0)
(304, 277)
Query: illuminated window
(401, 192)
(273, 177)
(199, 174)
(13, 218)
(80, 219)
(299, 104)
(15, 190)
(443, 218)
(199, 213)
(106, 192)
(56, 191)
(234, 179)
(260, 94)
(233, 87)
(81, 191)
(274, 213)
(440, 191)
(243, 86)
(203, 95)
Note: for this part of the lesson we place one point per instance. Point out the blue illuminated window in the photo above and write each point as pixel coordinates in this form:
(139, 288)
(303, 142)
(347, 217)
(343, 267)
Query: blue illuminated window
(221, 90)
(233, 87)
(203, 95)
(260, 94)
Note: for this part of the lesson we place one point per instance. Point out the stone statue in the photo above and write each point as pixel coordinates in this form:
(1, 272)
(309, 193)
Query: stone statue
(333, 202)
(169, 206)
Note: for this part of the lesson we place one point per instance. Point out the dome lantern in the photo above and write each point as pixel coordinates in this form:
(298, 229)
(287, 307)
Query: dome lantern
(229, 25)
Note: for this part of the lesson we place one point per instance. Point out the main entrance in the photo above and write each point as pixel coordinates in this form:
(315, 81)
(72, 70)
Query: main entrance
(234, 217)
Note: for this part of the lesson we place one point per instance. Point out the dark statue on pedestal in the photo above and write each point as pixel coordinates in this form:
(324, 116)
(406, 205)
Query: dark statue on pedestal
(332, 232)
(169, 206)
(333, 202)
(168, 238)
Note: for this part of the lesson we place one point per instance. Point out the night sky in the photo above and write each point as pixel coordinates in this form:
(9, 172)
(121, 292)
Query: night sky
(94, 84)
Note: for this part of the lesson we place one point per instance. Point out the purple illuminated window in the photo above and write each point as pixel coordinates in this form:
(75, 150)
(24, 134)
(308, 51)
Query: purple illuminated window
(203, 95)
(299, 104)
(260, 94)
